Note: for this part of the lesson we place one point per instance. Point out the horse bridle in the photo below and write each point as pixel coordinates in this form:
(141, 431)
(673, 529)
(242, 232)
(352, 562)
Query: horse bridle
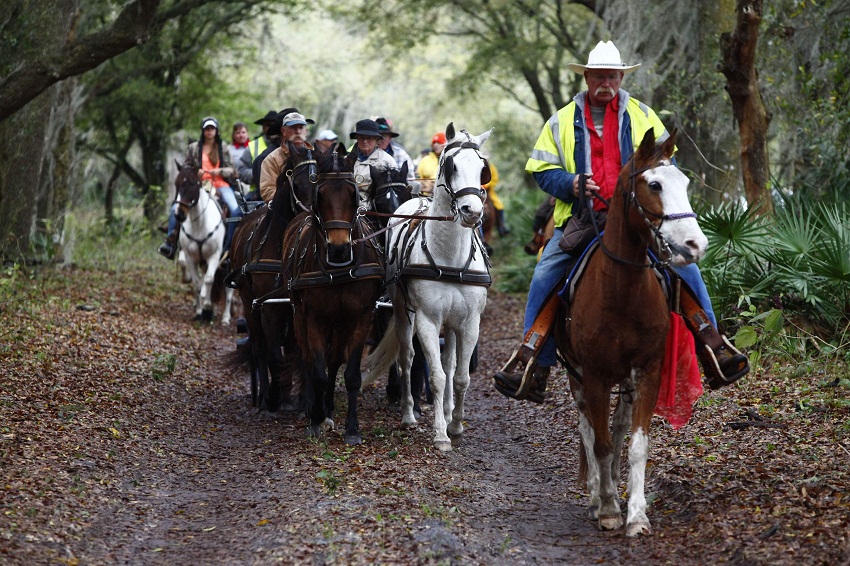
(325, 225)
(447, 166)
(665, 248)
(313, 177)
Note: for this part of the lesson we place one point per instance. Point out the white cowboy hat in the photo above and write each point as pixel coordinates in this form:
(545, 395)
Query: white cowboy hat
(604, 56)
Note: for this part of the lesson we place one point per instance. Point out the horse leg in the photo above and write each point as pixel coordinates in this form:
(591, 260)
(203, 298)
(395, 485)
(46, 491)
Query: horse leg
(637, 523)
(465, 346)
(228, 304)
(619, 426)
(273, 316)
(195, 278)
(594, 409)
(317, 387)
(448, 359)
(417, 378)
(260, 373)
(429, 338)
(404, 334)
(205, 297)
(353, 381)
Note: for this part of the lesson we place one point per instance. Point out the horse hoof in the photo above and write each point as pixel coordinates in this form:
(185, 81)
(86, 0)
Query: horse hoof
(408, 420)
(637, 529)
(313, 431)
(443, 445)
(610, 523)
(327, 425)
(353, 439)
(593, 512)
(207, 315)
(417, 414)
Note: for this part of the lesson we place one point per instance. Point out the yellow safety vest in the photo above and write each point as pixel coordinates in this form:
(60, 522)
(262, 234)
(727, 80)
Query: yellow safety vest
(557, 146)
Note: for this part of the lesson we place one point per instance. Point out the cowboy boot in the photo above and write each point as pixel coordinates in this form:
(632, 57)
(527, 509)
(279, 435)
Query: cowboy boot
(530, 381)
(533, 381)
(169, 246)
(722, 363)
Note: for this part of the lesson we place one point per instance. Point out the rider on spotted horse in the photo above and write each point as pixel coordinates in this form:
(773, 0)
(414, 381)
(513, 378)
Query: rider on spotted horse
(583, 148)
(215, 170)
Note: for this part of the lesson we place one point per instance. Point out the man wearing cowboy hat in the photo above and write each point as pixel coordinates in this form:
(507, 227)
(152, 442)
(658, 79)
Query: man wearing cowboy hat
(368, 135)
(293, 128)
(595, 135)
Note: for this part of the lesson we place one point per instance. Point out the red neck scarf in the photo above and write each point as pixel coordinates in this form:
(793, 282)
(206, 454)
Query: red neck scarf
(240, 145)
(605, 159)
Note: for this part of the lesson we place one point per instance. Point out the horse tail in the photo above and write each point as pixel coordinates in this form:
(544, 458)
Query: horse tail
(383, 356)
(239, 359)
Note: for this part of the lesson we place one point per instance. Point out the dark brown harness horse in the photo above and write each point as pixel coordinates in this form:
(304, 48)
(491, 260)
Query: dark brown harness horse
(257, 274)
(335, 276)
(618, 326)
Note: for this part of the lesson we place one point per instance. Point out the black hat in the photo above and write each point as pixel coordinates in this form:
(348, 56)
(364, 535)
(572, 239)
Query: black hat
(366, 128)
(385, 128)
(270, 116)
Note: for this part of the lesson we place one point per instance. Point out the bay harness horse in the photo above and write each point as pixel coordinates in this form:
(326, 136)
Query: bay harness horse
(616, 330)
(334, 273)
(201, 239)
(257, 274)
(438, 274)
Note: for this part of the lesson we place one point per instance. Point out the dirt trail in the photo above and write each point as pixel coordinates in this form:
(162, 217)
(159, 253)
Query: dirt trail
(125, 441)
(212, 481)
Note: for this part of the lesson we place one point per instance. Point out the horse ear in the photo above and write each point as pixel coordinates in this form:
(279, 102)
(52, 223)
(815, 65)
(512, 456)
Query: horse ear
(450, 131)
(340, 149)
(669, 145)
(350, 159)
(483, 137)
(374, 172)
(647, 146)
(178, 164)
(402, 173)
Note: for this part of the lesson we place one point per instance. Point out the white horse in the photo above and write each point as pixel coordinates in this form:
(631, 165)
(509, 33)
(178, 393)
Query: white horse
(201, 239)
(438, 273)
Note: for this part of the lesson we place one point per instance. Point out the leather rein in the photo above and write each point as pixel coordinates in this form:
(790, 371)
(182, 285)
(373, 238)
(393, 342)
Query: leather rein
(665, 247)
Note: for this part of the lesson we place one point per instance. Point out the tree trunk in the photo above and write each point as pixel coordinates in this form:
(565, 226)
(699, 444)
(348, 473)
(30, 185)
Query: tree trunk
(738, 51)
(36, 149)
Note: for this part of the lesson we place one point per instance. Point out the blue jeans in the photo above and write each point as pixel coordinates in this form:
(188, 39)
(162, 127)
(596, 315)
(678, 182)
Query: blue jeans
(229, 199)
(551, 267)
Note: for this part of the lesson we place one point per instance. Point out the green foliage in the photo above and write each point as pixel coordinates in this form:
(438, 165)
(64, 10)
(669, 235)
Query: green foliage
(163, 365)
(782, 283)
(329, 480)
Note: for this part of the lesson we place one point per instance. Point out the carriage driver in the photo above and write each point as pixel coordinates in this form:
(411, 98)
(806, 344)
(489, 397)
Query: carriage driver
(294, 129)
(582, 138)
(368, 135)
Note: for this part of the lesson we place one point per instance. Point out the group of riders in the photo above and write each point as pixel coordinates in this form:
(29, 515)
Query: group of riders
(257, 163)
(583, 145)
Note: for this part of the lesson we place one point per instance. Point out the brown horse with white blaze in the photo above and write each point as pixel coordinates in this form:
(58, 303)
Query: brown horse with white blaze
(617, 327)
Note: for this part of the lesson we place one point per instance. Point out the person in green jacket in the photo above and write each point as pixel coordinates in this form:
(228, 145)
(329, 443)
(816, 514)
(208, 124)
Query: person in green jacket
(595, 135)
